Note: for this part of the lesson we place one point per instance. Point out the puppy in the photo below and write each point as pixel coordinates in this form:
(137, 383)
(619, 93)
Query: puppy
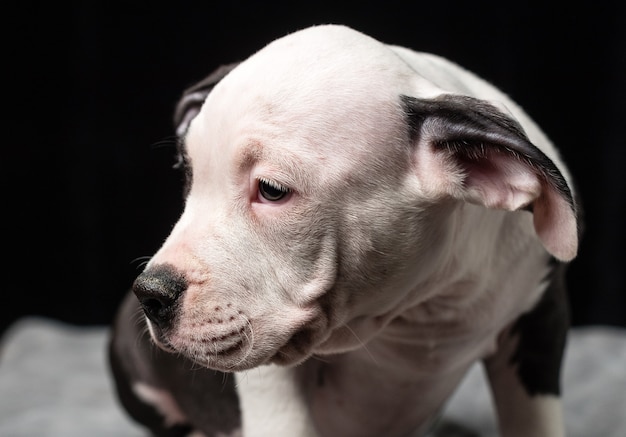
(362, 224)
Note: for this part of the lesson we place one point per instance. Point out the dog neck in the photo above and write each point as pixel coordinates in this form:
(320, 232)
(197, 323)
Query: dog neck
(424, 348)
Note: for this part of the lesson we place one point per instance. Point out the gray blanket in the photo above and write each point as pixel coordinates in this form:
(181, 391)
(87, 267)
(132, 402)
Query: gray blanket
(54, 381)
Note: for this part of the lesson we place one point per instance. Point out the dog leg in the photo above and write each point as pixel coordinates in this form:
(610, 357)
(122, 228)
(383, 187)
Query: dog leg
(524, 374)
(273, 404)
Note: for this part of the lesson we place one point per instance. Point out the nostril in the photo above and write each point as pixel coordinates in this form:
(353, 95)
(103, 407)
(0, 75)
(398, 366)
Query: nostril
(158, 311)
(158, 289)
(152, 305)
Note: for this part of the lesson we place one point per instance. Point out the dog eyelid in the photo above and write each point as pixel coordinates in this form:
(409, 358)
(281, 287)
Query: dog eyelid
(271, 190)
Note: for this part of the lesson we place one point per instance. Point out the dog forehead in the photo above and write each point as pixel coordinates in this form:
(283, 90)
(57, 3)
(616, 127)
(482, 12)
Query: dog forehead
(327, 85)
(322, 68)
(323, 51)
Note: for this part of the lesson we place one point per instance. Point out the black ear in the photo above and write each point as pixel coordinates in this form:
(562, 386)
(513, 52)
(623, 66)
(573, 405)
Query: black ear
(469, 149)
(193, 97)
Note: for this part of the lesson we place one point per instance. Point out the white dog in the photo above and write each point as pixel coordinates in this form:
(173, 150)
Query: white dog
(362, 223)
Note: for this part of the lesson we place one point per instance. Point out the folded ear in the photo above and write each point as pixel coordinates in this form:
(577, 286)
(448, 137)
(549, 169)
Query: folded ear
(193, 97)
(470, 150)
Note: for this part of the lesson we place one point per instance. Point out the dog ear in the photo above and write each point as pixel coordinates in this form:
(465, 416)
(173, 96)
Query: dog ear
(193, 97)
(469, 149)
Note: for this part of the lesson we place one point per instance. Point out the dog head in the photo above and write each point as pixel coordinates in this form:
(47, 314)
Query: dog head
(324, 177)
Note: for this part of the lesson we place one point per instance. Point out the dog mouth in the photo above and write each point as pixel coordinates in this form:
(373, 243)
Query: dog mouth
(297, 349)
(227, 344)
(159, 337)
(222, 350)
(234, 350)
(225, 352)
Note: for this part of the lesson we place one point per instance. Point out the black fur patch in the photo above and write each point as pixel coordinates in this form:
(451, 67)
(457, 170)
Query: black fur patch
(140, 411)
(542, 336)
(187, 109)
(469, 127)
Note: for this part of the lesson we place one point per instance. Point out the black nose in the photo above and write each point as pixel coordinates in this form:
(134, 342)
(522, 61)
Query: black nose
(158, 289)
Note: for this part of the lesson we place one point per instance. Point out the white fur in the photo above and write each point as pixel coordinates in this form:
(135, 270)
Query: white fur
(162, 401)
(376, 252)
(273, 404)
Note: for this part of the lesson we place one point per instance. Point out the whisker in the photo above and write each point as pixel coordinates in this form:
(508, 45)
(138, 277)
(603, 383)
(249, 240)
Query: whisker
(142, 260)
(363, 345)
(224, 380)
(165, 142)
(240, 374)
(320, 358)
(139, 319)
(194, 365)
(249, 340)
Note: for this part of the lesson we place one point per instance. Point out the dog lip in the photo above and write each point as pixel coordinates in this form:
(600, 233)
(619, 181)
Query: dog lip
(166, 346)
(226, 344)
(224, 351)
(304, 341)
(159, 338)
(231, 347)
(298, 348)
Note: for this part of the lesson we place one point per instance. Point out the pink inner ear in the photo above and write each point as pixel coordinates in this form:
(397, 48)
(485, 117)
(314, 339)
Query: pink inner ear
(500, 181)
(504, 181)
(556, 224)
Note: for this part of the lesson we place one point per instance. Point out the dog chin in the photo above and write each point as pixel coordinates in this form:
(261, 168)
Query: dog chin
(290, 356)
(236, 358)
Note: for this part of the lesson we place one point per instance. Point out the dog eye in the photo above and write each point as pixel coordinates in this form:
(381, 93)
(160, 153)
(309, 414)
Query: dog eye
(271, 190)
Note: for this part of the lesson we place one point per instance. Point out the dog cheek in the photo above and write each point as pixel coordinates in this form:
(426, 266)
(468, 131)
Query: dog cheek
(388, 258)
(300, 251)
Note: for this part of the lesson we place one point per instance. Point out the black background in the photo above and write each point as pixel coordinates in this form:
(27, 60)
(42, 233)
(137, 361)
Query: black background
(90, 87)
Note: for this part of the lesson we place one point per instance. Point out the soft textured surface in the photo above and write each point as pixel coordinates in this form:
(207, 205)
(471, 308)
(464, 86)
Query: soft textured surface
(54, 381)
